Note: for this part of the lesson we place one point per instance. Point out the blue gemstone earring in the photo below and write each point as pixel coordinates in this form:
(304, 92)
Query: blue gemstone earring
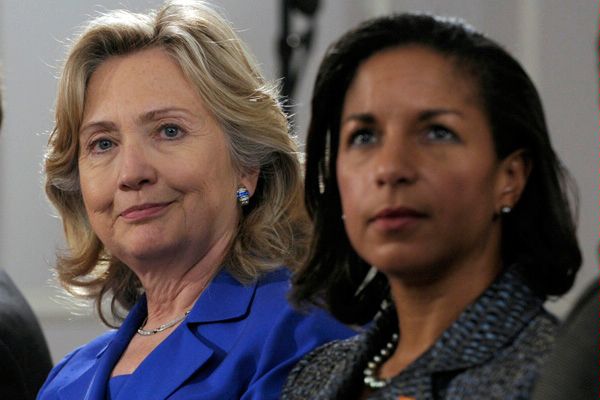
(243, 196)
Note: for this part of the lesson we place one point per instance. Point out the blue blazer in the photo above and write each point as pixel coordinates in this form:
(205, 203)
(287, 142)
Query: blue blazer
(238, 342)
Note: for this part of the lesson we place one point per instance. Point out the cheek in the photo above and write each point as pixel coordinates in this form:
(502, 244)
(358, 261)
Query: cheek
(95, 196)
(97, 185)
(204, 169)
(352, 182)
(212, 188)
(98, 210)
(208, 188)
(467, 196)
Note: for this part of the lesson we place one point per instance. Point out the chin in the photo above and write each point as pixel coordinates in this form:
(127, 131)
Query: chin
(401, 265)
(144, 249)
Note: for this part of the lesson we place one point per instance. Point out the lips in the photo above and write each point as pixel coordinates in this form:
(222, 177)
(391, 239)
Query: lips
(144, 211)
(397, 218)
(399, 212)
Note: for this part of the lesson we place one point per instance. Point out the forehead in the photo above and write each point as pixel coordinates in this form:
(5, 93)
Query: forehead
(144, 80)
(412, 74)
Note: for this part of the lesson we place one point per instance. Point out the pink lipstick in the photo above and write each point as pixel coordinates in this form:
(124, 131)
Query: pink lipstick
(144, 211)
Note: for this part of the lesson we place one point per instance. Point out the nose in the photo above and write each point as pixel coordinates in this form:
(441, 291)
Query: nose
(136, 168)
(396, 161)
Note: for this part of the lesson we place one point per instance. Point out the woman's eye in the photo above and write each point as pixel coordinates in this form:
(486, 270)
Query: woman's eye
(363, 137)
(101, 145)
(171, 131)
(438, 132)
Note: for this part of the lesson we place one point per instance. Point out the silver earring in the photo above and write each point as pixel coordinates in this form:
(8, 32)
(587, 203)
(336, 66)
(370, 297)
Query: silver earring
(343, 217)
(243, 196)
(505, 210)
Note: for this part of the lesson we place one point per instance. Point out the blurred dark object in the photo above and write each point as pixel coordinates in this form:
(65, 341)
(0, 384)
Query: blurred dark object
(571, 371)
(24, 356)
(295, 43)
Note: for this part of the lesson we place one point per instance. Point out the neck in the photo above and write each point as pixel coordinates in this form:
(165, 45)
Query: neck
(426, 309)
(173, 287)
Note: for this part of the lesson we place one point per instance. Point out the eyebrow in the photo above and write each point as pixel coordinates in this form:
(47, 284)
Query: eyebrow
(146, 117)
(365, 118)
(153, 115)
(429, 114)
(97, 125)
(368, 118)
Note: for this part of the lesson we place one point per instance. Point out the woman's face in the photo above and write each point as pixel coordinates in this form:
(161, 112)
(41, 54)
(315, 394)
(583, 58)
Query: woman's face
(155, 170)
(416, 168)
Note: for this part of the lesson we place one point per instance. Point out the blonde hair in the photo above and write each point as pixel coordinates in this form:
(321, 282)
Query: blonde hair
(272, 230)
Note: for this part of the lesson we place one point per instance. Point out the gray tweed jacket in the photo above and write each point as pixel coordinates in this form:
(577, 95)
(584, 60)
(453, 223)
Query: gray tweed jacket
(494, 350)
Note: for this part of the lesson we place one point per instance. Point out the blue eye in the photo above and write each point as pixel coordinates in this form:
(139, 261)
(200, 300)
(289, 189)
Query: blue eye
(171, 131)
(441, 133)
(101, 145)
(363, 137)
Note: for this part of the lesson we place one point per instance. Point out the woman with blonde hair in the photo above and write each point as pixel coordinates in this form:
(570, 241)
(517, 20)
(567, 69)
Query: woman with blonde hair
(177, 182)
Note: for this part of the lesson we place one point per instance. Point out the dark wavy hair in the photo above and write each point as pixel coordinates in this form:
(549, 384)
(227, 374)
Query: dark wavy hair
(538, 235)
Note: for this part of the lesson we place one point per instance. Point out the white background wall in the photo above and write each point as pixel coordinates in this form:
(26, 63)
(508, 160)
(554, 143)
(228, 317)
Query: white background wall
(554, 39)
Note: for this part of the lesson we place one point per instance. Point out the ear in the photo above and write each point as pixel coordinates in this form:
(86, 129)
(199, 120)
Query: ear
(249, 179)
(513, 173)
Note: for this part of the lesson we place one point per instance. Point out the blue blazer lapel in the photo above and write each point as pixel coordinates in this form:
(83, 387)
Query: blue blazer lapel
(167, 367)
(91, 385)
(191, 345)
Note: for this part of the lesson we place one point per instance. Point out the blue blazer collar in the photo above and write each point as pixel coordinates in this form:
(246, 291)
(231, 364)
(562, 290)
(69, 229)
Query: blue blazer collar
(225, 299)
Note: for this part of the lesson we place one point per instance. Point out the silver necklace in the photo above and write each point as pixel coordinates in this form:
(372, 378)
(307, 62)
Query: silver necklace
(370, 372)
(165, 326)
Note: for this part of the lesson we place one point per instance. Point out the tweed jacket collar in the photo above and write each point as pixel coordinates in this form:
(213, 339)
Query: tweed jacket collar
(488, 325)
(481, 331)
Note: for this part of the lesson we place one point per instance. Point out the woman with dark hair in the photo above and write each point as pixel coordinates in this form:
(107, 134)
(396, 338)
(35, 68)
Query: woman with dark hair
(439, 208)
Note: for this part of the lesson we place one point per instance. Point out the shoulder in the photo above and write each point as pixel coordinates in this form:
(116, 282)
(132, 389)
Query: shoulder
(75, 364)
(326, 359)
(270, 293)
(529, 349)
(276, 335)
(95, 346)
(271, 306)
(320, 373)
(537, 339)
(85, 353)
(513, 371)
(276, 281)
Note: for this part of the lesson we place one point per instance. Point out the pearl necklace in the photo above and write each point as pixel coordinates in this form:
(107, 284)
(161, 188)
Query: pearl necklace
(149, 332)
(370, 372)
